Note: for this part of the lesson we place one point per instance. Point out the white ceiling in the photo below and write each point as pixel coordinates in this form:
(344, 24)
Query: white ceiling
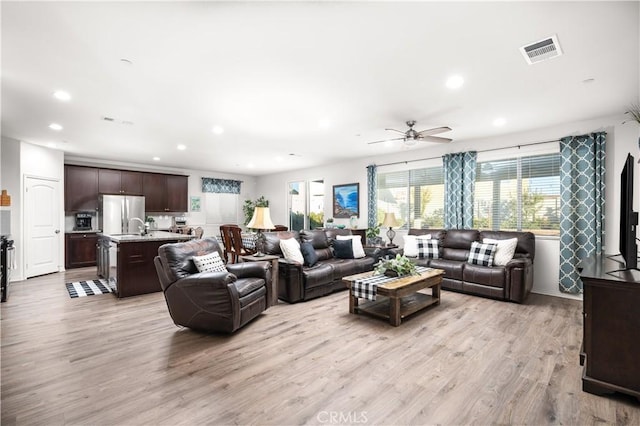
(314, 79)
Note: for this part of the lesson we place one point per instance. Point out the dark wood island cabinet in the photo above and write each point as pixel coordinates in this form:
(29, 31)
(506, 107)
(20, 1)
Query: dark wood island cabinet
(611, 341)
(128, 261)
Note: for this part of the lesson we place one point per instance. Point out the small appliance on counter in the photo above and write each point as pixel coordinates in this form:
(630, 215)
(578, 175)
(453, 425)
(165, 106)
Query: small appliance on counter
(180, 221)
(83, 221)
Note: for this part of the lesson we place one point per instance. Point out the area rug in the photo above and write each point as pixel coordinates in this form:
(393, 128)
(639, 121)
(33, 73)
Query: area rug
(90, 288)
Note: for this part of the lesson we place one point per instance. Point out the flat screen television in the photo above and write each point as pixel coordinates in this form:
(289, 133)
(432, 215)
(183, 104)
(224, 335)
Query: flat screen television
(628, 218)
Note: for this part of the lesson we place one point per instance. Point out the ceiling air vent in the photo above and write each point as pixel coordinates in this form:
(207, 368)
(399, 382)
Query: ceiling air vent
(541, 50)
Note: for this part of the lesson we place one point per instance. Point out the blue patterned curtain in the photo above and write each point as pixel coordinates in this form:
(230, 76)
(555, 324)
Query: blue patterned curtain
(221, 186)
(582, 173)
(459, 185)
(372, 195)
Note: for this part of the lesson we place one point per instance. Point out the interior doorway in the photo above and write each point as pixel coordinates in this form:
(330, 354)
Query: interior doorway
(42, 226)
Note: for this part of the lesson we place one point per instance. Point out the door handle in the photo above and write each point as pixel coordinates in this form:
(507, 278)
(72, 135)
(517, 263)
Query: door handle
(57, 231)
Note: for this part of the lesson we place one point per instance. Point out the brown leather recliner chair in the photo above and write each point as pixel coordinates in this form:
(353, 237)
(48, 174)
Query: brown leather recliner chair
(211, 301)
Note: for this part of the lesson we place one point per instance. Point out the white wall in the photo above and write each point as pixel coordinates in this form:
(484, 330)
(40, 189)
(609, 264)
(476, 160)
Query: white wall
(20, 159)
(621, 139)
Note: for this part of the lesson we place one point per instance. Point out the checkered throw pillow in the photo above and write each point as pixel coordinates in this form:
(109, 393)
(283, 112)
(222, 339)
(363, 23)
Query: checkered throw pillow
(211, 262)
(481, 254)
(427, 248)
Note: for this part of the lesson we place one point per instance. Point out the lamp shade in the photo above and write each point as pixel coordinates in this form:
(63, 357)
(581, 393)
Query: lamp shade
(389, 220)
(261, 219)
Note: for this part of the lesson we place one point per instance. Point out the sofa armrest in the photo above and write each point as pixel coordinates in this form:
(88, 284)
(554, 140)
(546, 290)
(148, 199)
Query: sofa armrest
(395, 251)
(519, 279)
(250, 269)
(290, 281)
(216, 280)
(375, 252)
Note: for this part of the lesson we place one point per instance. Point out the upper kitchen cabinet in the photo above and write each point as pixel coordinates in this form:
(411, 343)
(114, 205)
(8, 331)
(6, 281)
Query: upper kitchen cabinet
(177, 193)
(119, 182)
(165, 193)
(80, 188)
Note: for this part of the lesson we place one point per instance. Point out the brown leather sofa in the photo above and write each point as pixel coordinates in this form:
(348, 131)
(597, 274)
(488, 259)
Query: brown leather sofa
(211, 301)
(512, 282)
(297, 282)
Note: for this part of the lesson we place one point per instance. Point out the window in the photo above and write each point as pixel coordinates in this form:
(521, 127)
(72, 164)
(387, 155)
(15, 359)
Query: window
(306, 204)
(221, 208)
(416, 197)
(519, 194)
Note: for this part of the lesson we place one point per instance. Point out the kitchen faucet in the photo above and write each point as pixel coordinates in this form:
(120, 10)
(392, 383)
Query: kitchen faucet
(142, 229)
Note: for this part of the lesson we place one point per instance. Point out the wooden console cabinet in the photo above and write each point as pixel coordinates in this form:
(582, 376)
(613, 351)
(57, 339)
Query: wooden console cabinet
(611, 345)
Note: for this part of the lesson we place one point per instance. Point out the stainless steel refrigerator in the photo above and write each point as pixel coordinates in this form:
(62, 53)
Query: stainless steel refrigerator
(121, 214)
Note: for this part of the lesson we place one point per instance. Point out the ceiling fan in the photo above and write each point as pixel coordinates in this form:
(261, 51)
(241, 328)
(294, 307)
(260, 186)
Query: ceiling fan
(410, 137)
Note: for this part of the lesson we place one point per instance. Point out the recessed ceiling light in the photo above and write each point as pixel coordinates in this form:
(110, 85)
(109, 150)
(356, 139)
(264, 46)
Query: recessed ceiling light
(455, 82)
(279, 159)
(55, 126)
(61, 95)
(217, 130)
(51, 145)
(250, 165)
(182, 147)
(499, 122)
(324, 123)
(156, 158)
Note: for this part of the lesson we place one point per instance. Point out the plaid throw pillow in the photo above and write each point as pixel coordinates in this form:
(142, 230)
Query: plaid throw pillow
(427, 248)
(481, 254)
(211, 262)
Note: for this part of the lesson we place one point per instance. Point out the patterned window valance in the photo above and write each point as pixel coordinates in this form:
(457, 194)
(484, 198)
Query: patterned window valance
(221, 186)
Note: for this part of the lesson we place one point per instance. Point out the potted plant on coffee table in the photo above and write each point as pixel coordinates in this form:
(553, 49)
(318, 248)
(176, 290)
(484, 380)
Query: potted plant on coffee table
(398, 266)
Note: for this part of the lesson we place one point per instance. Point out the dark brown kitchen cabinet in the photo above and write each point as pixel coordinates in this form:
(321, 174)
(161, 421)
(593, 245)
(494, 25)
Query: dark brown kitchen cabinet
(119, 182)
(165, 193)
(80, 250)
(177, 193)
(80, 188)
(154, 189)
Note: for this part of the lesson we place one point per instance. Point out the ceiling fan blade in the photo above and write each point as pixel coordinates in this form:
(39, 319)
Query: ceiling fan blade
(385, 140)
(434, 131)
(394, 130)
(435, 139)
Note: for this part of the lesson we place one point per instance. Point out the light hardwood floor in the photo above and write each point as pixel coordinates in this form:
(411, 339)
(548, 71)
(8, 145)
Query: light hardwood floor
(102, 361)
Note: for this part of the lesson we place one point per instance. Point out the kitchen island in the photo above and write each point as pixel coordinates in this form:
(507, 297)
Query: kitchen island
(127, 260)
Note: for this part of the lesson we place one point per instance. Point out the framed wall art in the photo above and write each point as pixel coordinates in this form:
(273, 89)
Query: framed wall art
(195, 203)
(346, 200)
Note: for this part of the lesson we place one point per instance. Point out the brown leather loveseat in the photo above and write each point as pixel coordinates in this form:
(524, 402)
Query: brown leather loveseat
(297, 282)
(512, 282)
(211, 301)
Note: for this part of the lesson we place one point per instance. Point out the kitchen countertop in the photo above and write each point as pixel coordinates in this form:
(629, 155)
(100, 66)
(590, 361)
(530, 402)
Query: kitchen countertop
(152, 236)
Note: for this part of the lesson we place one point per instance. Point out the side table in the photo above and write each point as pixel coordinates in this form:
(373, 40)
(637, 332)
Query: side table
(274, 272)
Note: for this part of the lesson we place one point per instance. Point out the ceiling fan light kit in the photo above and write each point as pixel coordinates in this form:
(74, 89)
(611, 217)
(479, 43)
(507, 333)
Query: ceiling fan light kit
(411, 137)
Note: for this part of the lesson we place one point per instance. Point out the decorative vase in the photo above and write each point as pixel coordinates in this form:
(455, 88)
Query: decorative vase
(353, 222)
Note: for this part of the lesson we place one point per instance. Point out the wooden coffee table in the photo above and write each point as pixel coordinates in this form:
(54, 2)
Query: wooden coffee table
(399, 298)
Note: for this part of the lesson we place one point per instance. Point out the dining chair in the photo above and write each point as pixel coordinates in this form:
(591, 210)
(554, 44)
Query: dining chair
(198, 232)
(227, 242)
(238, 247)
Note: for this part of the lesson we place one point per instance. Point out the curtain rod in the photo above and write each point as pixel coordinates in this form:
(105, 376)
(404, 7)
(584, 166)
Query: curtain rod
(483, 150)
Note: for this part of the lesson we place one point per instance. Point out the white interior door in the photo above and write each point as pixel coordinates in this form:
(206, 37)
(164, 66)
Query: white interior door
(42, 226)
